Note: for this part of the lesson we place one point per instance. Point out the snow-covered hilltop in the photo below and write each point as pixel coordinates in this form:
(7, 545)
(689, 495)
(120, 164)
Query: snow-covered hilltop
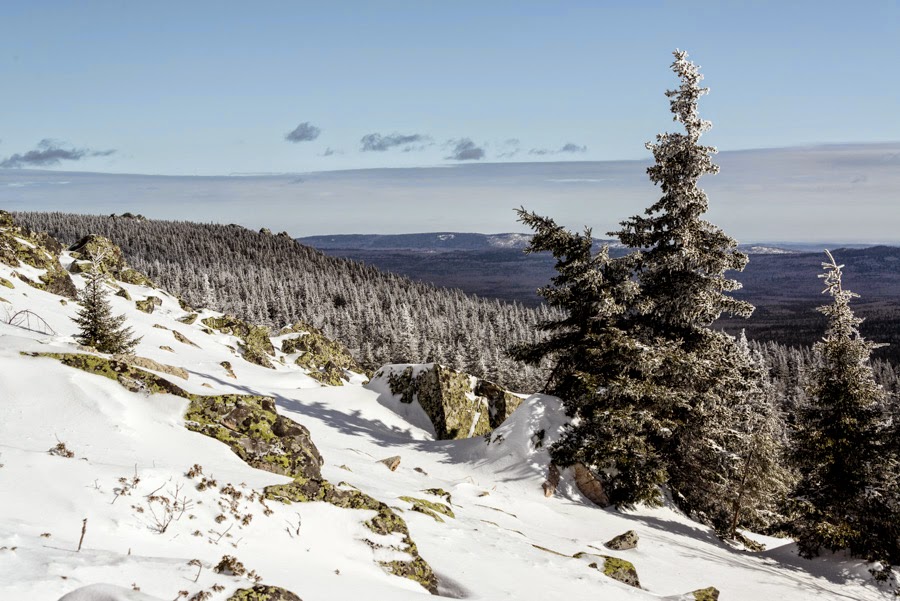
(221, 461)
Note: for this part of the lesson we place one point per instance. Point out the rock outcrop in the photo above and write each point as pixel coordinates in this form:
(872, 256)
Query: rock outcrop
(704, 594)
(590, 486)
(40, 251)
(325, 359)
(94, 249)
(458, 405)
(256, 346)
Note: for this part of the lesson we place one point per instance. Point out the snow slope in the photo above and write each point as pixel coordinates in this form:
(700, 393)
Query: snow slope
(506, 541)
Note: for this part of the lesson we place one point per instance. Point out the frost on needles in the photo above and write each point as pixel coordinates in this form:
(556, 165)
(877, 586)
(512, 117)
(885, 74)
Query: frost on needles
(659, 398)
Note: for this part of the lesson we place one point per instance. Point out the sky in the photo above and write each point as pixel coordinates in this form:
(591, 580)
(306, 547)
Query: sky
(216, 89)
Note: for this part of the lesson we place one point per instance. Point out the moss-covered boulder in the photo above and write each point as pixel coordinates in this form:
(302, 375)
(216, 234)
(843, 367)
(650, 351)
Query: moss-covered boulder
(108, 257)
(324, 358)
(256, 346)
(6, 283)
(123, 293)
(18, 245)
(253, 430)
(263, 592)
(617, 569)
(129, 376)
(188, 319)
(458, 405)
(149, 304)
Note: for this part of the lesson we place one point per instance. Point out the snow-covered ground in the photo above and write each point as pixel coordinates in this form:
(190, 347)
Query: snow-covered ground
(507, 541)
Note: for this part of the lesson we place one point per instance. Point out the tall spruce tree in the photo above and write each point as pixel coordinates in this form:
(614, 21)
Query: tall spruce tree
(99, 328)
(659, 396)
(598, 367)
(681, 262)
(844, 496)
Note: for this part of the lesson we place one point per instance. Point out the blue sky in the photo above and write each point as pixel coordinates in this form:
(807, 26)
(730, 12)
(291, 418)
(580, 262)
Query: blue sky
(212, 88)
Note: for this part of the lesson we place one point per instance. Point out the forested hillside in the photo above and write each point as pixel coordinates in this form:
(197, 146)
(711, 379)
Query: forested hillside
(271, 279)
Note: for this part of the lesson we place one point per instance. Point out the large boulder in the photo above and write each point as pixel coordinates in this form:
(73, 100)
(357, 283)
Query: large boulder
(18, 246)
(457, 404)
(96, 250)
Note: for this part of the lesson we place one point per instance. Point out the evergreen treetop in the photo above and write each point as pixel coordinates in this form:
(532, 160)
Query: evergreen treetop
(682, 258)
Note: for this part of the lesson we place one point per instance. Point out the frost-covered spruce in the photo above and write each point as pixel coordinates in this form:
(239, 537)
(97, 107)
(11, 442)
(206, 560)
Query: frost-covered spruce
(847, 491)
(682, 258)
(681, 261)
(99, 328)
(597, 365)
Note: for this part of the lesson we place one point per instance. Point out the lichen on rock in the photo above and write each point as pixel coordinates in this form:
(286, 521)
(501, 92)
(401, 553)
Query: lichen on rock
(429, 508)
(624, 541)
(18, 245)
(325, 359)
(149, 304)
(256, 346)
(109, 259)
(617, 569)
(263, 592)
(458, 405)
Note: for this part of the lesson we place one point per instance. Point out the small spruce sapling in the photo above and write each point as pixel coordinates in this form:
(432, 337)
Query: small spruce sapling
(99, 328)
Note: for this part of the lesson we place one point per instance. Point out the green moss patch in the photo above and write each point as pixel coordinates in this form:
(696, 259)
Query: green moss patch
(256, 346)
(324, 358)
(429, 508)
(263, 592)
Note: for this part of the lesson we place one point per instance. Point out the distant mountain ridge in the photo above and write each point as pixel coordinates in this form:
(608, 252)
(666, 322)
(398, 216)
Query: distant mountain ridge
(463, 241)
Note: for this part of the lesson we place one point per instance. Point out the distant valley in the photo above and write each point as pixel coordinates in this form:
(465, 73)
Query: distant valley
(781, 279)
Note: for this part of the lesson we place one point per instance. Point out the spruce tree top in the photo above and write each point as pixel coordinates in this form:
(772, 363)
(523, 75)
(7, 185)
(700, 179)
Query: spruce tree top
(682, 258)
